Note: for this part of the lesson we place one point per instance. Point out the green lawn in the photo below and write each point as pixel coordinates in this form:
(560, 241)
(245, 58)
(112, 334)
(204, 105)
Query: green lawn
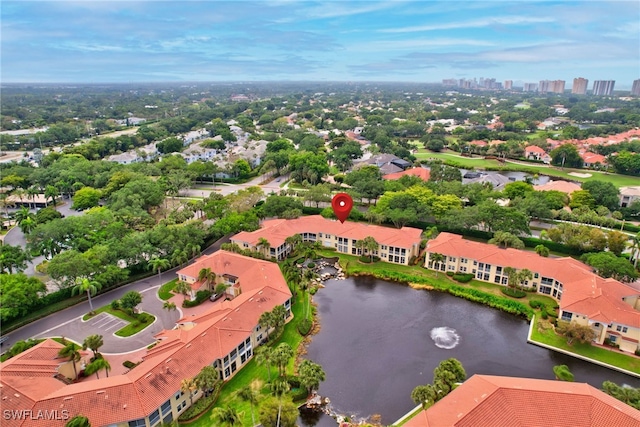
(613, 357)
(252, 371)
(480, 163)
(131, 329)
(164, 293)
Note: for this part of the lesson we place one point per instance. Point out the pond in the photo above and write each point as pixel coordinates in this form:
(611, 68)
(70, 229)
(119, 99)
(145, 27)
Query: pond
(379, 340)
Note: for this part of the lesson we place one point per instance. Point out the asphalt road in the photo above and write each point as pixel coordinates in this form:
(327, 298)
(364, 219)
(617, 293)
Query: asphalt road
(68, 322)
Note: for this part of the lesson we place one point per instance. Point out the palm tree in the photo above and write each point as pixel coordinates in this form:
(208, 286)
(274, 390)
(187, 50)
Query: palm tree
(266, 320)
(562, 373)
(51, 192)
(96, 366)
(249, 394)
(280, 356)
(360, 246)
(158, 265)
(512, 276)
(264, 245)
(311, 374)
(83, 284)
(32, 192)
(169, 306)
(28, 224)
(523, 276)
(279, 387)
(370, 245)
(183, 288)
(93, 342)
(208, 276)
(226, 416)
(635, 249)
(263, 357)
(193, 249)
(71, 351)
(188, 385)
(293, 241)
(179, 257)
(279, 314)
(78, 421)
(436, 259)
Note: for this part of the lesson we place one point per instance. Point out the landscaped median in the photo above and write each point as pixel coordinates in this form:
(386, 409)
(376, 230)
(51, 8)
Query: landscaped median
(137, 322)
(547, 337)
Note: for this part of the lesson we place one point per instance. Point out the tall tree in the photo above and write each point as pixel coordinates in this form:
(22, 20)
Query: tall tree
(311, 374)
(78, 421)
(281, 356)
(183, 288)
(264, 357)
(226, 416)
(436, 259)
(159, 265)
(206, 275)
(267, 321)
(563, 373)
(188, 385)
(249, 394)
(71, 351)
(96, 366)
(207, 378)
(91, 287)
(93, 343)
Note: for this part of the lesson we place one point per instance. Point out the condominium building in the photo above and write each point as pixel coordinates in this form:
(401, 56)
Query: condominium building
(530, 87)
(611, 308)
(580, 86)
(553, 86)
(395, 245)
(489, 401)
(508, 84)
(603, 87)
(225, 336)
(635, 89)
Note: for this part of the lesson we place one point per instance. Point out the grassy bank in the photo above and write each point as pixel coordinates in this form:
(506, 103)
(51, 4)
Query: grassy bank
(254, 372)
(164, 293)
(480, 163)
(611, 357)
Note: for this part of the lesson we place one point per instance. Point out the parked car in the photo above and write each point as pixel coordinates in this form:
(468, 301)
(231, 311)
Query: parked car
(215, 297)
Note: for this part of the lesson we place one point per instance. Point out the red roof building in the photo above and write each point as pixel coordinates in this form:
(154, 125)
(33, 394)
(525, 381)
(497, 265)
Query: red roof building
(593, 160)
(611, 308)
(395, 245)
(224, 337)
(490, 401)
(559, 185)
(421, 173)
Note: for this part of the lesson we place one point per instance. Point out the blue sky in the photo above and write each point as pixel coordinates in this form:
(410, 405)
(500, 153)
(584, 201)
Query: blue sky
(418, 41)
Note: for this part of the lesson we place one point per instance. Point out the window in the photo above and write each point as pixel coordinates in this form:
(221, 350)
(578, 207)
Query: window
(566, 316)
(233, 367)
(463, 269)
(545, 290)
(535, 275)
(154, 418)
(452, 259)
(497, 279)
(625, 329)
(463, 260)
(243, 358)
(384, 247)
(451, 267)
(618, 328)
(179, 395)
(498, 270)
(319, 234)
(486, 276)
(166, 407)
(137, 423)
(259, 338)
(612, 338)
(227, 372)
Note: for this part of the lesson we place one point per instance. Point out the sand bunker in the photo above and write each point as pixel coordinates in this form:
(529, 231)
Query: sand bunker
(580, 175)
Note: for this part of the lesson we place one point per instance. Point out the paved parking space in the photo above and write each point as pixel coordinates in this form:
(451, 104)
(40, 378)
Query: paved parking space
(107, 322)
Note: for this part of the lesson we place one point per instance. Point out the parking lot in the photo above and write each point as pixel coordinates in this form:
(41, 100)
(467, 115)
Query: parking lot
(107, 323)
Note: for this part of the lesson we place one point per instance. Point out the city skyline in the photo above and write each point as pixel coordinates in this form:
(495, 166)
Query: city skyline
(280, 40)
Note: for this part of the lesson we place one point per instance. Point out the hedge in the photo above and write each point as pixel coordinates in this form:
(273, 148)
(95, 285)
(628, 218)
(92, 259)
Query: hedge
(304, 327)
(515, 293)
(463, 277)
(201, 296)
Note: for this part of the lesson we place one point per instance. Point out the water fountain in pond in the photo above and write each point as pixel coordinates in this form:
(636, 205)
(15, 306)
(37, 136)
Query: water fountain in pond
(445, 337)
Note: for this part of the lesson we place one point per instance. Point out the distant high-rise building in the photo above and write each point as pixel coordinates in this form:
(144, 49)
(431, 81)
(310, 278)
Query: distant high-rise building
(543, 86)
(603, 87)
(635, 89)
(530, 87)
(580, 86)
(508, 84)
(449, 82)
(556, 86)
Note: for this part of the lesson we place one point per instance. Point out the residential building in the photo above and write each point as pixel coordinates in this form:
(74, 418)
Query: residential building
(635, 89)
(422, 173)
(603, 87)
(628, 195)
(224, 337)
(593, 160)
(489, 401)
(533, 152)
(553, 86)
(611, 308)
(559, 185)
(508, 84)
(394, 245)
(530, 87)
(580, 86)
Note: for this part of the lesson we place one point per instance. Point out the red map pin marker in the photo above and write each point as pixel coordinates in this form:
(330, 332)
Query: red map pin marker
(342, 204)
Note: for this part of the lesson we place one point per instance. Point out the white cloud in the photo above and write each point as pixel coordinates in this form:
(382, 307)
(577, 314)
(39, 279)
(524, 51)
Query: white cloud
(477, 23)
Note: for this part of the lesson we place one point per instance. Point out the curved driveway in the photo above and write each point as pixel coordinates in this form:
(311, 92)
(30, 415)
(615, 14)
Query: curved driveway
(68, 322)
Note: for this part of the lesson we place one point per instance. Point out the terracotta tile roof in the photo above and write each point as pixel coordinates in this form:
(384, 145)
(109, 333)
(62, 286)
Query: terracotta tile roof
(277, 230)
(593, 158)
(563, 186)
(179, 354)
(421, 173)
(583, 291)
(478, 142)
(492, 401)
(534, 149)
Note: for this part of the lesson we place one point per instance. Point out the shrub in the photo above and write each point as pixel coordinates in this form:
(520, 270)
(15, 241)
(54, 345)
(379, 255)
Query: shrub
(200, 406)
(201, 296)
(364, 259)
(115, 304)
(129, 364)
(515, 293)
(145, 318)
(450, 273)
(535, 304)
(463, 277)
(311, 265)
(304, 327)
(637, 351)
